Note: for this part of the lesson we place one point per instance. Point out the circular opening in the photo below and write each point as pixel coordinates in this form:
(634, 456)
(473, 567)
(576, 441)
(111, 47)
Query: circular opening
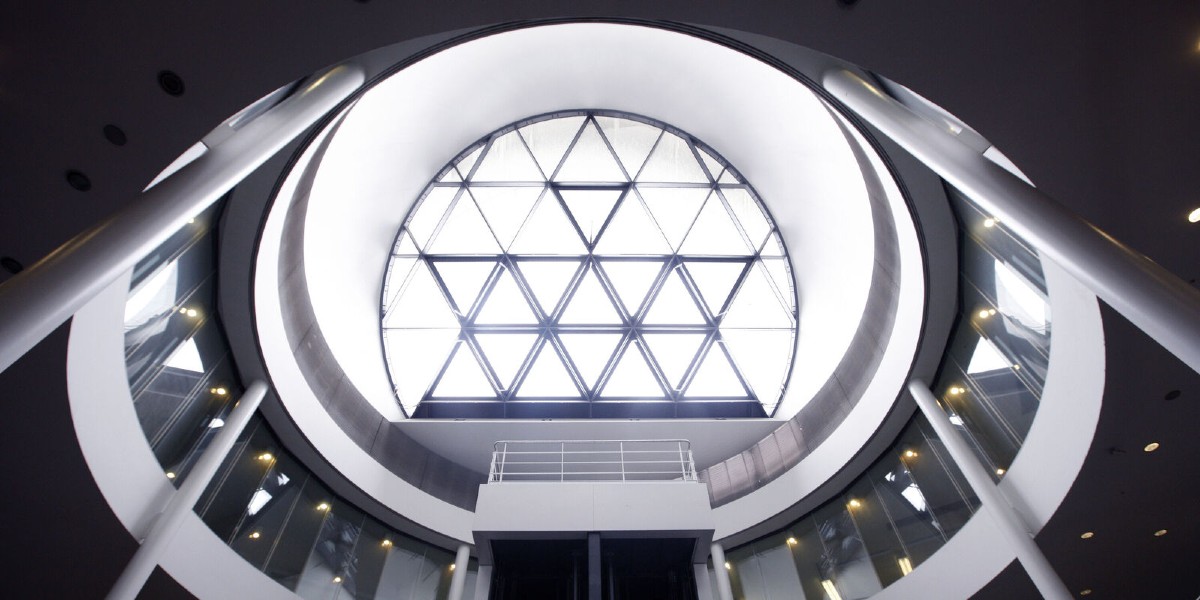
(171, 83)
(589, 263)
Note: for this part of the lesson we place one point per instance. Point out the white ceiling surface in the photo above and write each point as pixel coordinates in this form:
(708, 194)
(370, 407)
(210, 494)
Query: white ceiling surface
(769, 126)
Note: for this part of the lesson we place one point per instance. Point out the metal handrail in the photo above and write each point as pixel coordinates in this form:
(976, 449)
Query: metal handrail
(635, 460)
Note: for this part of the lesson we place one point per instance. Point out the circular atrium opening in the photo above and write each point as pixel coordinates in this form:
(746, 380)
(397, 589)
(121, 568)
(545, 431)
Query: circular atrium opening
(589, 264)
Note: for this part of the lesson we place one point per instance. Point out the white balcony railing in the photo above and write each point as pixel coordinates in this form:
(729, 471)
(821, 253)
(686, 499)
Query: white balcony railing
(592, 460)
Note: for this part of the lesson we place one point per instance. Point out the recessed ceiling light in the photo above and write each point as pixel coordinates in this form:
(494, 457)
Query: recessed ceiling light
(1151, 447)
(1085, 592)
(170, 475)
(905, 565)
(191, 312)
(989, 222)
(1194, 216)
(1160, 533)
(452, 566)
(265, 456)
(792, 541)
(337, 579)
(1001, 471)
(983, 314)
(386, 543)
(255, 535)
(728, 567)
(323, 506)
(854, 503)
(1087, 535)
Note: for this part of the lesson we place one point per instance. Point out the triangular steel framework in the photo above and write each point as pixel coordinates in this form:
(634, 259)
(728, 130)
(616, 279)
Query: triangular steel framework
(665, 396)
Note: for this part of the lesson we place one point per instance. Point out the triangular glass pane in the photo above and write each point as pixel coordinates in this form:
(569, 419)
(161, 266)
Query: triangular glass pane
(427, 216)
(548, 140)
(715, 378)
(728, 177)
(674, 352)
(450, 176)
(397, 274)
(590, 160)
(755, 306)
(421, 303)
(590, 208)
(748, 213)
(416, 356)
(506, 352)
(714, 233)
(505, 304)
(590, 304)
(631, 279)
(778, 271)
(547, 279)
(715, 280)
(465, 232)
(464, 166)
(590, 352)
(405, 245)
(632, 232)
(548, 377)
(505, 208)
(763, 357)
(464, 378)
(548, 231)
(672, 161)
(773, 247)
(507, 160)
(986, 358)
(673, 305)
(674, 209)
(631, 140)
(632, 377)
(713, 165)
(464, 279)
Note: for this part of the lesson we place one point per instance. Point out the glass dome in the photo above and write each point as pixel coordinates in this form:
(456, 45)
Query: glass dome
(585, 264)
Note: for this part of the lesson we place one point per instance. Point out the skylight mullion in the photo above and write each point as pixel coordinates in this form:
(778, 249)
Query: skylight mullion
(691, 142)
(736, 371)
(446, 365)
(608, 144)
(570, 147)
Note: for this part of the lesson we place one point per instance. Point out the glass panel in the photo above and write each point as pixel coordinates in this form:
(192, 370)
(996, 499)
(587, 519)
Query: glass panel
(763, 356)
(416, 356)
(745, 576)
(429, 213)
(631, 280)
(464, 378)
(713, 165)
(590, 352)
(845, 562)
(632, 377)
(590, 160)
(505, 304)
(942, 486)
(674, 209)
(399, 269)
(631, 140)
(267, 510)
(728, 177)
(715, 378)
(672, 161)
(781, 279)
(465, 165)
(300, 533)
(465, 231)
(507, 159)
(403, 570)
(773, 247)
(986, 358)
(674, 353)
(875, 529)
(330, 566)
(450, 176)
(241, 476)
(549, 139)
(421, 304)
(674, 304)
(632, 231)
(548, 231)
(548, 377)
(715, 281)
(505, 208)
(778, 568)
(590, 304)
(714, 233)
(506, 352)
(748, 214)
(405, 246)
(370, 554)
(464, 280)
(590, 208)
(755, 306)
(548, 279)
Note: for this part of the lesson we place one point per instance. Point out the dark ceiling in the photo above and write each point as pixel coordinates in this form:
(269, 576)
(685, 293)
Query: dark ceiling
(1095, 100)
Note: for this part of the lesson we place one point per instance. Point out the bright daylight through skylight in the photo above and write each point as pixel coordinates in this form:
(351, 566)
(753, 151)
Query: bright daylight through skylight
(585, 259)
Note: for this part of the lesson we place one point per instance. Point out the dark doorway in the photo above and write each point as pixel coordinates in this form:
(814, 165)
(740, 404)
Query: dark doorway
(630, 569)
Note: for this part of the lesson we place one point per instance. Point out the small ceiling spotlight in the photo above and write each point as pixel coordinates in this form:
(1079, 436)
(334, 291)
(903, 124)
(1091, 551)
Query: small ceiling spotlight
(792, 541)
(1160, 533)
(337, 579)
(855, 503)
(1151, 447)
(1086, 592)
(324, 506)
(989, 222)
(728, 567)
(255, 535)
(910, 454)
(170, 474)
(1087, 535)
(1001, 471)
(386, 543)
(1194, 216)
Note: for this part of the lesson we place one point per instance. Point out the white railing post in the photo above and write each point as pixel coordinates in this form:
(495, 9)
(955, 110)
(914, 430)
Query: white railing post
(40, 298)
(180, 505)
(1007, 520)
(1154, 299)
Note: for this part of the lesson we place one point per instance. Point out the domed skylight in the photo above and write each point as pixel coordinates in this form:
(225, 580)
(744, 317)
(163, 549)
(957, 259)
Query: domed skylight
(589, 264)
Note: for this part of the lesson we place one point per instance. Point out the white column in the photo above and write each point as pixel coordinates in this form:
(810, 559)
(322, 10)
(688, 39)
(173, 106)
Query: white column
(703, 584)
(724, 588)
(1008, 521)
(1154, 299)
(483, 582)
(180, 505)
(40, 298)
(458, 580)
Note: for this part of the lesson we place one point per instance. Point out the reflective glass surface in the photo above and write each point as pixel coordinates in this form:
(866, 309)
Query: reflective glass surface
(577, 262)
